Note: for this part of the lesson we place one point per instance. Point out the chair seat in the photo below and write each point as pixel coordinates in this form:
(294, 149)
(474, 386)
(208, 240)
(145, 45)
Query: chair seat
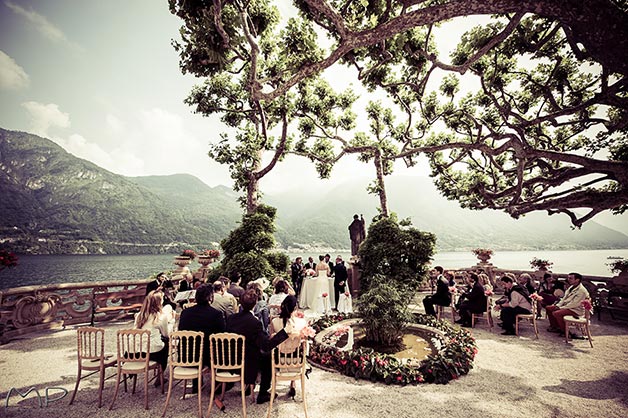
(132, 366)
(227, 377)
(180, 372)
(94, 364)
(292, 374)
(575, 320)
(525, 316)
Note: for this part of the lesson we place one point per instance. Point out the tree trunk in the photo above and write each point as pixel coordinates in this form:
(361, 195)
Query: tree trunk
(381, 186)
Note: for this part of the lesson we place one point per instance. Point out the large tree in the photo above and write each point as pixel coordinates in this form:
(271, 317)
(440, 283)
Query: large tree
(545, 128)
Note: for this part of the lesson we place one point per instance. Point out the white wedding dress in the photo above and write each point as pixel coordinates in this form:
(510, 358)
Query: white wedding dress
(322, 286)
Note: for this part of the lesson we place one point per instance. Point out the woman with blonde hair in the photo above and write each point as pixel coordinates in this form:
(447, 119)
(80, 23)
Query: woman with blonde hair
(154, 317)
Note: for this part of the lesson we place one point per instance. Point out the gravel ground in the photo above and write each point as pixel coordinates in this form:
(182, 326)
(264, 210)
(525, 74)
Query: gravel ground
(513, 377)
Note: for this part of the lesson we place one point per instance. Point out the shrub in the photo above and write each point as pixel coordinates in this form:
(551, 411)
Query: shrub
(279, 262)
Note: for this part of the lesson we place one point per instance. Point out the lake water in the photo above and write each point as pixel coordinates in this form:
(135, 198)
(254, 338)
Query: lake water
(51, 269)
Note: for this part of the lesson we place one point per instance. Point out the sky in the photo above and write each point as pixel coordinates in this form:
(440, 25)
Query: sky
(101, 79)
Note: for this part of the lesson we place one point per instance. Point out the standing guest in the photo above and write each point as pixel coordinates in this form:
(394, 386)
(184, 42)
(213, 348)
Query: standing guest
(153, 317)
(340, 279)
(202, 317)
(224, 302)
(474, 301)
(234, 288)
(310, 265)
(570, 304)
(518, 302)
(442, 297)
(329, 264)
(297, 271)
(258, 344)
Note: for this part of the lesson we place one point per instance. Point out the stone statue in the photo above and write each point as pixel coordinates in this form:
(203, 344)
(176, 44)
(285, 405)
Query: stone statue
(357, 233)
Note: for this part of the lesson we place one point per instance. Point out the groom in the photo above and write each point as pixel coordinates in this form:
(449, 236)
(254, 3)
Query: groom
(340, 278)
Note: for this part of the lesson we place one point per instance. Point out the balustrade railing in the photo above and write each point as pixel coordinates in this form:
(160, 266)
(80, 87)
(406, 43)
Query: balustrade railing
(32, 308)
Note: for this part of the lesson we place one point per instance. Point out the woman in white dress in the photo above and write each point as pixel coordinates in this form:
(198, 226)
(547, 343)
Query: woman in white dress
(322, 287)
(289, 313)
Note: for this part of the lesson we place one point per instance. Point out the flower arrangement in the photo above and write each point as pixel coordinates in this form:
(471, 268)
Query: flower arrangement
(211, 253)
(618, 266)
(539, 263)
(482, 252)
(536, 297)
(7, 259)
(191, 254)
(586, 304)
(454, 358)
(308, 332)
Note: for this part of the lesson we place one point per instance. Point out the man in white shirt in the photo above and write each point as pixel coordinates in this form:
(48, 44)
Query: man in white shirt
(519, 302)
(570, 304)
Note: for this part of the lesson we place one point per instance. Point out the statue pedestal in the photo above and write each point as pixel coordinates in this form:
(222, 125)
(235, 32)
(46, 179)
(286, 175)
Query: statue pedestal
(354, 275)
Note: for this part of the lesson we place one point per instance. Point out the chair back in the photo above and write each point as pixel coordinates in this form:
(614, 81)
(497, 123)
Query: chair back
(90, 343)
(291, 354)
(226, 351)
(186, 349)
(133, 346)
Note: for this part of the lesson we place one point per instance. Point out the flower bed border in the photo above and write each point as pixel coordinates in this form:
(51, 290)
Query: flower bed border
(453, 359)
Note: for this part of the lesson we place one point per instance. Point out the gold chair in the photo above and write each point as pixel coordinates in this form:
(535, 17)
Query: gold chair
(289, 364)
(133, 352)
(581, 324)
(185, 362)
(226, 352)
(531, 318)
(484, 315)
(440, 310)
(90, 343)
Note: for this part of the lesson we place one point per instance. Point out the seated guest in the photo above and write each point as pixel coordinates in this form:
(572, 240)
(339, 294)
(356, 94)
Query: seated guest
(281, 291)
(442, 297)
(234, 288)
(163, 283)
(258, 344)
(451, 280)
(289, 313)
(474, 301)
(261, 307)
(518, 302)
(153, 317)
(486, 282)
(223, 301)
(186, 284)
(202, 317)
(570, 304)
(550, 290)
(525, 280)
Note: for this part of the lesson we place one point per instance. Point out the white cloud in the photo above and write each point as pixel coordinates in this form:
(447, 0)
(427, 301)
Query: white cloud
(114, 123)
(44, 116)
(40, 22)
(12, 76)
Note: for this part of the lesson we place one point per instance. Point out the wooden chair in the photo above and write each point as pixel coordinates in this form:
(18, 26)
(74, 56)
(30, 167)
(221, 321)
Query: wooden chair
(133, 352)
(289, 363)
(440, 310)
(226, 352)
(581, 324)
(484, 315)
(185, 362)
(531, 318)
(91, 355)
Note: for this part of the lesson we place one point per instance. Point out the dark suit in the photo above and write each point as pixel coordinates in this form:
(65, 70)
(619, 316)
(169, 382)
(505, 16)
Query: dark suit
(202, 318)
(442, 297)
(340, 275)
(245, 323)
(475, 303)
(310, 266)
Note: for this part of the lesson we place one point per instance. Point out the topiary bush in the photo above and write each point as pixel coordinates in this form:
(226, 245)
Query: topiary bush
(396, 251)
(279, 262)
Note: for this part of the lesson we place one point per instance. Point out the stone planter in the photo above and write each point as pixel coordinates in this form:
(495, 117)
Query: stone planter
(181, 263)
(204, 261)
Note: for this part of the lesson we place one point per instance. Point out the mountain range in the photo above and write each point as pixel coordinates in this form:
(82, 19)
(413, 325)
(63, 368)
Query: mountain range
(55, 203)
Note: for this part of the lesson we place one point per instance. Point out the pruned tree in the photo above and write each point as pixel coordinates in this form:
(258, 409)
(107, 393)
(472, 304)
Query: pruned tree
(545, 128)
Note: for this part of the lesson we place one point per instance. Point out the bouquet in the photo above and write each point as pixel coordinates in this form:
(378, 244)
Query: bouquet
(536, 297)
(586, 304)
(488, 292)
(307, 332)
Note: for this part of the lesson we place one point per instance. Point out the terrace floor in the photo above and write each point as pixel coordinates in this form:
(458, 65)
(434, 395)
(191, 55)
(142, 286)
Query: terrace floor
(513, 377)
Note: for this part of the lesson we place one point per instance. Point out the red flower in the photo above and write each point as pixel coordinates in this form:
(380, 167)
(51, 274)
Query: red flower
(343, 362)
(355, 362)
(399, 378)
(325, 294)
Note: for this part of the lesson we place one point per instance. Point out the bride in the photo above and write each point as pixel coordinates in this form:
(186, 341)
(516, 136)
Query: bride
(322, 285)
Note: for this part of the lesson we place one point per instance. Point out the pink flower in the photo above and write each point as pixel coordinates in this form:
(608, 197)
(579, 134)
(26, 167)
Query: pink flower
(488, 292)
(299, 314)
(399, 378)
(343, 362)
(347, 294)
(325, 294)
(586, 304)
(536, 296)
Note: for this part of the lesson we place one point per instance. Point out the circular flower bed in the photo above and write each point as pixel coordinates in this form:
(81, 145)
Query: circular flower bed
(452, 359)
